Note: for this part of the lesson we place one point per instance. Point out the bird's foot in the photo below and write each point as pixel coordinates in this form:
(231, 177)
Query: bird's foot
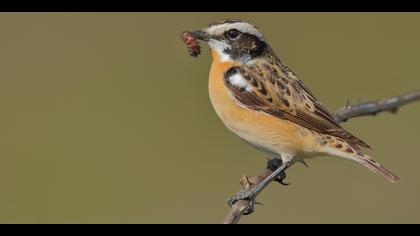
(253, 187)
(248, 195)
(274, 164)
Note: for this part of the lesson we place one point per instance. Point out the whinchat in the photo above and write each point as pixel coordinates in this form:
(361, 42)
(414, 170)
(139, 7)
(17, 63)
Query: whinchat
(261, 100)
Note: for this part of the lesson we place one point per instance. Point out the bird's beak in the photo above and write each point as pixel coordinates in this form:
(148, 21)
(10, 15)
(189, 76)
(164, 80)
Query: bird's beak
(201, 34)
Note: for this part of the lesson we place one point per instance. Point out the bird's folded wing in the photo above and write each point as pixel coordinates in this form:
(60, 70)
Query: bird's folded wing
(268, 89)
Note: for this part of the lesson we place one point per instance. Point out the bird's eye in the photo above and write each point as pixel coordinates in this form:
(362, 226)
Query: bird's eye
(233, 34)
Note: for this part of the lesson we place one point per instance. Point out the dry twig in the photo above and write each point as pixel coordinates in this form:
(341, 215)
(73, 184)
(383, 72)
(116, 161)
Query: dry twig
(374, 107)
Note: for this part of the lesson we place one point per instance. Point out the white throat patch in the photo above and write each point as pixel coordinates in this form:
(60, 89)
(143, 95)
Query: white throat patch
(219, 47)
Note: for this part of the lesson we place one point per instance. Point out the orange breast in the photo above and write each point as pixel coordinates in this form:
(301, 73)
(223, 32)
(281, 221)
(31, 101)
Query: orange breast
(260, 129)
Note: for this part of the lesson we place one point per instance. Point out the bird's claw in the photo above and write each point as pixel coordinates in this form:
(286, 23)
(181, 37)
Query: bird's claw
(244, 195)
(241, 195)
(281, 177)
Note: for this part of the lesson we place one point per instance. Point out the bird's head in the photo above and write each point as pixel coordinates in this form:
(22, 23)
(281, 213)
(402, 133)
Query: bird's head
(233, 40)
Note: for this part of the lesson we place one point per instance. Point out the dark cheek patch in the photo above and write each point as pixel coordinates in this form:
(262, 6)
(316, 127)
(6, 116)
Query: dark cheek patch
(247, 45)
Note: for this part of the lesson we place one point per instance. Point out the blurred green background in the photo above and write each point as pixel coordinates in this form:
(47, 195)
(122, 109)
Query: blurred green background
(106, 119)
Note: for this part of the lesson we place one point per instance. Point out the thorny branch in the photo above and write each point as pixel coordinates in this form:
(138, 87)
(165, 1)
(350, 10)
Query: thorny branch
(374, 107)
(391, 104)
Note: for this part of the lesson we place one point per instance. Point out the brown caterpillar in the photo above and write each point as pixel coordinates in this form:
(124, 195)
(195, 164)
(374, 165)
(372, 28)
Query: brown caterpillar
(192, 43)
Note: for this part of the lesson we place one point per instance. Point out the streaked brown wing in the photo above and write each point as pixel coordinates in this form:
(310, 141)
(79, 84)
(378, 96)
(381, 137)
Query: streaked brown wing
(279, 93)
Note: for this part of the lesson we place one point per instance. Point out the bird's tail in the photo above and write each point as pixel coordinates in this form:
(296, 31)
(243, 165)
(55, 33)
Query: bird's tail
(377, 168)
(363, 159)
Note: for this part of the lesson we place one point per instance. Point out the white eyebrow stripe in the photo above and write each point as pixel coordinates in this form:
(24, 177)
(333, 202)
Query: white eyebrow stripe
(241, 26)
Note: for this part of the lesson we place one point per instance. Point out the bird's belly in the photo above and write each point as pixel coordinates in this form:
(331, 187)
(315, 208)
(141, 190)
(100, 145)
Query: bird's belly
(273, 136)
(268, 133)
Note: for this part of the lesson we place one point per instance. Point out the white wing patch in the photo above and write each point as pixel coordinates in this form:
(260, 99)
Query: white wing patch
(238, 81)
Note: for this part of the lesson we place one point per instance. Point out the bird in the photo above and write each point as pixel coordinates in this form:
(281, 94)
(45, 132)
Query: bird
(261, 100)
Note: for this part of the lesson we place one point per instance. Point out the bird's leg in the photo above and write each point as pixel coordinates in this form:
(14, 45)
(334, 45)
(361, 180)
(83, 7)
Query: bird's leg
(277, 167)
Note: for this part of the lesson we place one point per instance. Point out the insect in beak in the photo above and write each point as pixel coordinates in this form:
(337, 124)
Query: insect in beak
(200, 34)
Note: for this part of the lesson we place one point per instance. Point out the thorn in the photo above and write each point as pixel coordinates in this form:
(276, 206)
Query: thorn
(245, 181)
(258, 203)
(347, 104)
(304, 163)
